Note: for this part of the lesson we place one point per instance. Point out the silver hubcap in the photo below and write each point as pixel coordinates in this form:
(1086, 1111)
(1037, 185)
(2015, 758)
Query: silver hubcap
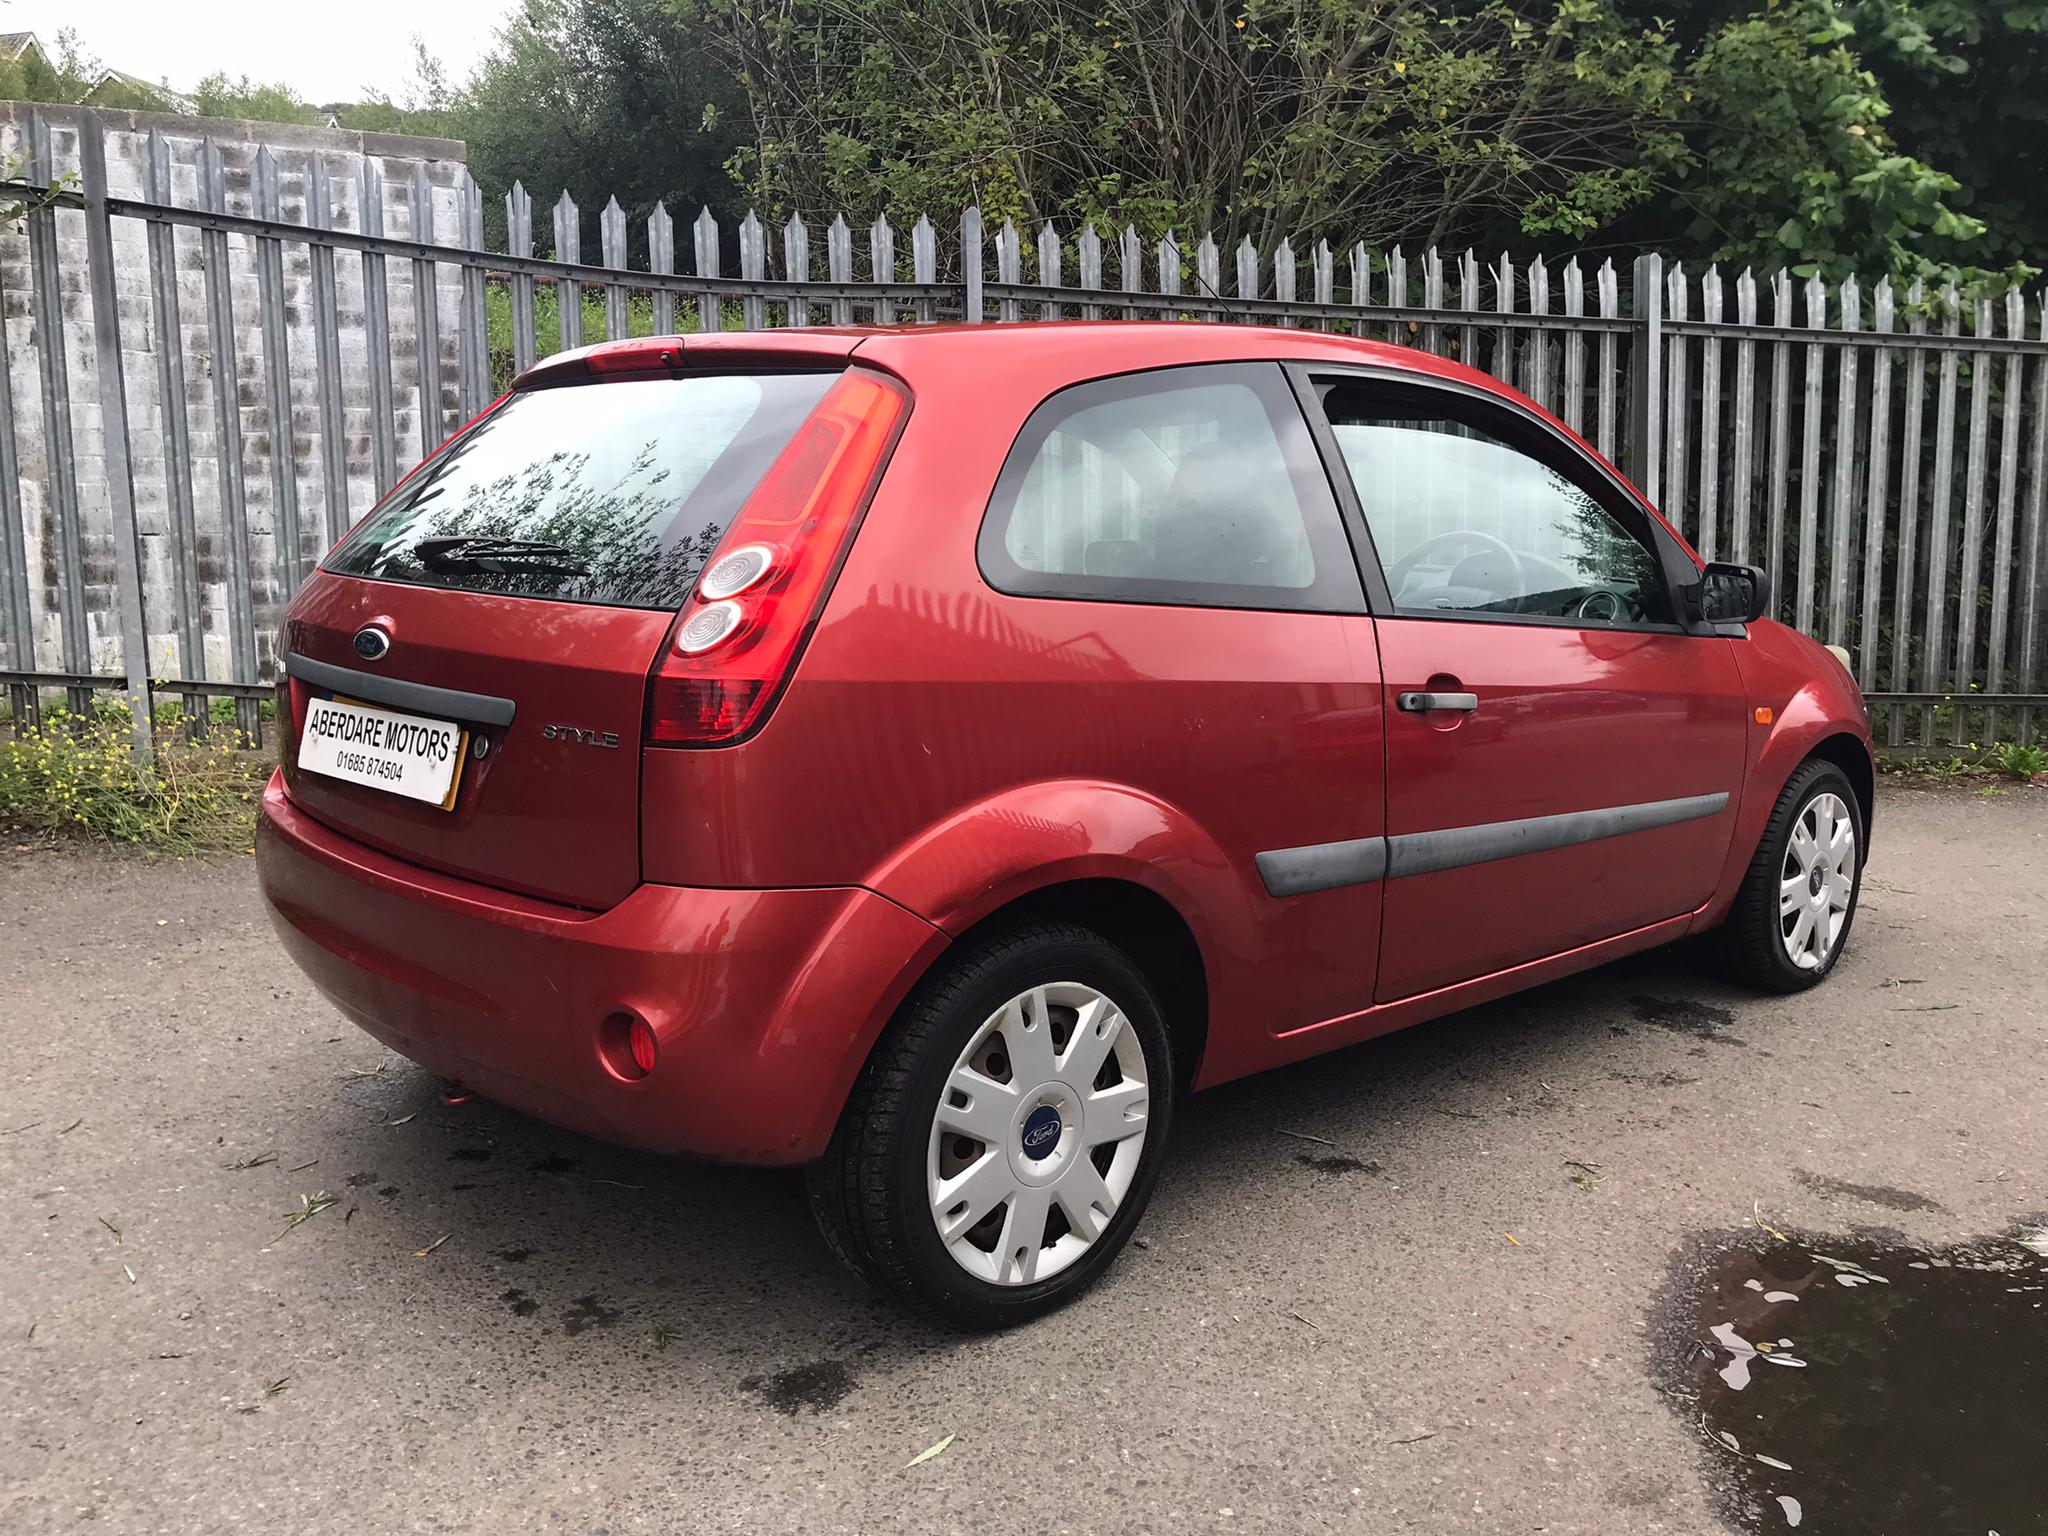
(1818, 881)
(1038, 1134)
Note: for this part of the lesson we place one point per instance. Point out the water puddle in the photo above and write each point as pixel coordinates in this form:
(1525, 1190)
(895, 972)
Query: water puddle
(1865, 1386)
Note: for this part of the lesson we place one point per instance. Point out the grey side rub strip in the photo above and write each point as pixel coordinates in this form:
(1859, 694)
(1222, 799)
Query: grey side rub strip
(420, 698)
(1425, 853)
(1325, 866)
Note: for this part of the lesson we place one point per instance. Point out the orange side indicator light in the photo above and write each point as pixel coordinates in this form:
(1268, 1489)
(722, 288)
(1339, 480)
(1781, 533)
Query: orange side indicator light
(1764, 715)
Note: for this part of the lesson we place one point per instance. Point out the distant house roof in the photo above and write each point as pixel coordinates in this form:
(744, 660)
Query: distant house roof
(173, 101)
(14, 44)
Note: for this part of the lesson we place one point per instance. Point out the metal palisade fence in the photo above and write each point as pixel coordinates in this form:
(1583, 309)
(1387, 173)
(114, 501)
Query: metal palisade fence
(205, 374)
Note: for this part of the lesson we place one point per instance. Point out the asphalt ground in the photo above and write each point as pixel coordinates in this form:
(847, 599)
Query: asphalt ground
(1432, 1283)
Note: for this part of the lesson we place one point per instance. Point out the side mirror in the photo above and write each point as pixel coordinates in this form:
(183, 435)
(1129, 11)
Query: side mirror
(1733, 594)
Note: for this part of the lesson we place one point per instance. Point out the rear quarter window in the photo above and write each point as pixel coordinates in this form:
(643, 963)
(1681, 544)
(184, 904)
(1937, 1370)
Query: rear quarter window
(1185, 486)
(613, 491)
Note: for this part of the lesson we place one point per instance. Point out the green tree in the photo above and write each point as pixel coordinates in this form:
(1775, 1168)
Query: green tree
(429, 103)
(62, 74)
(219, 96)
(1411, 119)
(601, 98)
(1964, 80)
(1828, 135)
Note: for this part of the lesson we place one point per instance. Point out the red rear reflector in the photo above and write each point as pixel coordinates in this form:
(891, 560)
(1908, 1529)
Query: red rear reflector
(626, 1045)
(805, 508)
(641, 1037)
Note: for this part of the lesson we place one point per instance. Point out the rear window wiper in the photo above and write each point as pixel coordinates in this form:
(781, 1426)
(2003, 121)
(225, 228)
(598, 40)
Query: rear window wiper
(475, 553)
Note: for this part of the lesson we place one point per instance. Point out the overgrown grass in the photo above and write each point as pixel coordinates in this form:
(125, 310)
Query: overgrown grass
(2021, 762)
(2025, 763)
(76, 774)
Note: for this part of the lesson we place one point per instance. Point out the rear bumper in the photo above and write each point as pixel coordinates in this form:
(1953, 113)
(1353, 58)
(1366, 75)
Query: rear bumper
(764, 1002)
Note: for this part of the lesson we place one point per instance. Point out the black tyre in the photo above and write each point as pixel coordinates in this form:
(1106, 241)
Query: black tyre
(1791, 917)
(1003, 1141)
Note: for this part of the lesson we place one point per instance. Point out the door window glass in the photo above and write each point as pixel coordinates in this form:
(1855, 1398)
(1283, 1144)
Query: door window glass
(1186, 485)
(1467, 523)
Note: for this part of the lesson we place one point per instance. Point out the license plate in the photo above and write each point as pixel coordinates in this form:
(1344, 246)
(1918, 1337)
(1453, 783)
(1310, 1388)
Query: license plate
(402, 754)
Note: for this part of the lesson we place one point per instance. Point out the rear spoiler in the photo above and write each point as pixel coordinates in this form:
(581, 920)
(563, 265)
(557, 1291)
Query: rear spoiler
(677, 354)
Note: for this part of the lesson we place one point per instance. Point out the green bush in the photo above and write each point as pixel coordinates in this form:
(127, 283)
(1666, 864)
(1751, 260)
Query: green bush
(2022, 762)
(77, 774)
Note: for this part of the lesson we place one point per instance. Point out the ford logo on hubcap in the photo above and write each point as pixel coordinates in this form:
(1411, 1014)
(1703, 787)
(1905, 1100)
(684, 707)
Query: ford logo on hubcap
(372, 643)
(1041, 1132)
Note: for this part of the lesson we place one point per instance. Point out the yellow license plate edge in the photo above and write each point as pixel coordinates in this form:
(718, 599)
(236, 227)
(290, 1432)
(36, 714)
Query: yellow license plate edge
(461, 743)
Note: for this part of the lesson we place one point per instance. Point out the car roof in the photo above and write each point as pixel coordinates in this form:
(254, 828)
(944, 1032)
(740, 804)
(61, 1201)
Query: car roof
(1087, 348)
(1039, 357)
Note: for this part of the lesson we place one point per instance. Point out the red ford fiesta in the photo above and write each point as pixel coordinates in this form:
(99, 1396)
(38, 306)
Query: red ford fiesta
(926, 754)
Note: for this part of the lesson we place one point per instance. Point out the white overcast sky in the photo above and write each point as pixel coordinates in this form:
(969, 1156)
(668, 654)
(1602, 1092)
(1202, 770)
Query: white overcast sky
(326, 51)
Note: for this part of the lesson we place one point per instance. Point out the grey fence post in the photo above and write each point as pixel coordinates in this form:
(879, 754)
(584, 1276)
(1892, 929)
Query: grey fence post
(1130, 266)
(970, 265)
(232, 484)
(753, 268)
(19, 628)
(1009, 266)
(165, 320)
(277, 380)
(661, 257)
(839, 265)
(376, 328)
(568, 292)
(106, 315)
(519, 242)
(474, 372)
(1088, 253)
(1646, 384)
(611, 245)
(426, 311)
(796, 266)
(46, 311)
(704, 235)
(882, 265)
(326, 353)
(1049, 268)
(1208, 271)
(924, 264)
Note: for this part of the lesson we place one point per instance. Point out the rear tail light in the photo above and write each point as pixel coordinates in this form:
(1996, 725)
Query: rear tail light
(730, 575)
(710, 625)
(738, 636)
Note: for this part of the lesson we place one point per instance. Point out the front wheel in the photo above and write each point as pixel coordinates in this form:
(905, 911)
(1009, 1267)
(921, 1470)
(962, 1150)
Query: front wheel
(1791, 918)
(1002, 1144)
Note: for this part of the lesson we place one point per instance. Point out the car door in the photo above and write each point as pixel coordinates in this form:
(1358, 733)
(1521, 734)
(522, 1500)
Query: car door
(1563, 752)
(1180, 612)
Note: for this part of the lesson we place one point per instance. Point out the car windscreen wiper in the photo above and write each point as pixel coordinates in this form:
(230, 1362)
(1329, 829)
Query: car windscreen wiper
(473, 554)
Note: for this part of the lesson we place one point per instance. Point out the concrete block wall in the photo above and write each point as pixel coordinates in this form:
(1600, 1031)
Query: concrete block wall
(295, 150)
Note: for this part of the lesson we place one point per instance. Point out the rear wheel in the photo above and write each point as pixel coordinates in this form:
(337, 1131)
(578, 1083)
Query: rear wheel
(1791, 918)
(1003, 1142)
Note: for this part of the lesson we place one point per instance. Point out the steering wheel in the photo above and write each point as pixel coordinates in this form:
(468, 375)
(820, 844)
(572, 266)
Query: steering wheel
(1602, 606)
(1398, 573)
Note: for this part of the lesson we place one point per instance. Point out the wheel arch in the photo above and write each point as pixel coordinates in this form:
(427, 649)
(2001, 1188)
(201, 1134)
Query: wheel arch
(1804, 733)
(1848, 753)
(1145, 926)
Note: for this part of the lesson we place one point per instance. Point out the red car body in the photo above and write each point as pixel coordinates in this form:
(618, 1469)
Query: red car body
(944, 753)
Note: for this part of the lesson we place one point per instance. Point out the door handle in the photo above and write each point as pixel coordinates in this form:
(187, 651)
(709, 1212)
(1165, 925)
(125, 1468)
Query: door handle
(1422, 703)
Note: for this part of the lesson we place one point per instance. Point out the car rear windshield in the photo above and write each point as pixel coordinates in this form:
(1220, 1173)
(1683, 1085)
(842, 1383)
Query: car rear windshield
(613, 491)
